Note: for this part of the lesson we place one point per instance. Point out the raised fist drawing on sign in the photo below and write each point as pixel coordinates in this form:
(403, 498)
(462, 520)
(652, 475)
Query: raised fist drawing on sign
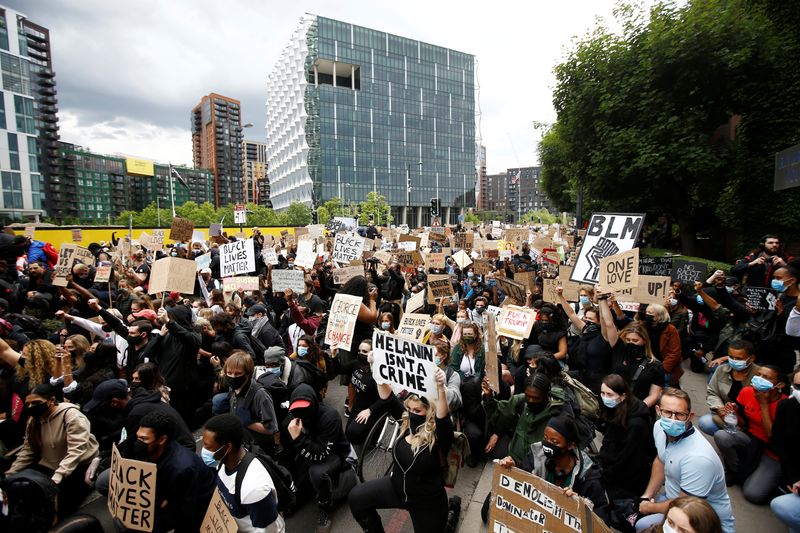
(602, 248)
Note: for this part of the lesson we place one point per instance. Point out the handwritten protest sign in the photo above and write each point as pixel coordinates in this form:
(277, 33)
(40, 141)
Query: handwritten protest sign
(181, 229)
(345, 274)
(214, 230)
(248, 283)
(77, 235)
(687, 272)
(404, 364)
(342, 321)
(288, 279)
(526, 278)
(655, 266)
(439, 286)
(516, 236)
(492, 363)
(515, 322)
(66, 258)
(348, 223)
(416, 302)
(408, 246)
(619, 272)
(270, 257)
(408, 238)
(513, 289)
(172, 274)
(132, 492)
(413, 325)
(202, 261)
(652, 289)
(408, 259)
(481, 267)
(435, 260)
(157, 239)
(607, 234)
(346, 247)
(238, 257)
(306, 258)
(102, 274)
(760, 298)
(218, 518)
(463, 241)
(462, 259)
(522, 501)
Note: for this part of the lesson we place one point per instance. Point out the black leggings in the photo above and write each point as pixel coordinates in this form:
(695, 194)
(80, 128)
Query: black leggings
(366, 498)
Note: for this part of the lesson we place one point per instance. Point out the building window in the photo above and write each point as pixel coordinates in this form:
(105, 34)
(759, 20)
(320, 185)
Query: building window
(16, 74)
(25, 114)
(13, 151)
(12, 190)
(3, 32)
(33, 155)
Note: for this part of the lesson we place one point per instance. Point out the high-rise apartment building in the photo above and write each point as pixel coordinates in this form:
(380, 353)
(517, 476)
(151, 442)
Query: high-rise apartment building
(352, 110)
(217, 145)
(28, 117)
(256, 184)
(480, 177)
(515, 192)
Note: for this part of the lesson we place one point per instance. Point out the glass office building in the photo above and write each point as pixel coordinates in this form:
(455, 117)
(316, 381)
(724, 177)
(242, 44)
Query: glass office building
(352, 110)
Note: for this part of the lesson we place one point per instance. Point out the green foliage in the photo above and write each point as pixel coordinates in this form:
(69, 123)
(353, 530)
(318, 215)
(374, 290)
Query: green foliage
(539, 216)
(204, 214)
(375, 205)
(297, 215)
(471, 216)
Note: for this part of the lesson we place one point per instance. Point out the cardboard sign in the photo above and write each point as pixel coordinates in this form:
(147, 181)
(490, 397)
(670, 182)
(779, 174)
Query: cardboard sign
(172, 274)
(463, 240)
(408, 246)
(462, 259)
(288, 279)
(515, 322)
(345, 274)
(687, 272)
(306, 258)
(619, 272)
(760, 298)
(218, 518)
(439, 286)
(269, 256)
(439, 237)
(342, 321)
(157, 239)
(409, 238)
(248, 283)
(202, 261)
(102, 274)
(607, 234)
(655, 266)
(77, 235)
(435, 260)
(30, 231)
(571, 289)
(347, 223)
(513, 289)
(492, 363)
(214, 230)
(481, 267)
(416, 302)
(526, 278)
(404, 364)
(197, 236)
(347, 247)
(63, 267)
(408, 259)
(516, 236)
(413, 325)
(522, 501)
(652, 289)
(181, 229)
(238, 257)
(132, 492)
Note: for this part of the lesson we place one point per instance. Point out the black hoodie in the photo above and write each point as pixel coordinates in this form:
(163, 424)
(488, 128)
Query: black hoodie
(176, 352)
(322, 433)
(147, 401)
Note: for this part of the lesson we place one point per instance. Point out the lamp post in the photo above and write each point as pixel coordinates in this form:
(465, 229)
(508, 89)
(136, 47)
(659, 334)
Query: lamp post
(408, 187)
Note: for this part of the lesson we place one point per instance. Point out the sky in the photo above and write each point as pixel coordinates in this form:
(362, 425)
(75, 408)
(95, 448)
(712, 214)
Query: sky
(128, 73)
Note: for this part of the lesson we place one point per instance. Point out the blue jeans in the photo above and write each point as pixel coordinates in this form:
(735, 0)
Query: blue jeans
(651, 519)
(707, 425)
(787, 509)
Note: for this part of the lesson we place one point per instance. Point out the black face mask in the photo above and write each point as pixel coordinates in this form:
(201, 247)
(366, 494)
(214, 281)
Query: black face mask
(543, 327)
(140, 451)
(634, 351)
(536, 408)
(134, 386)
(648, 319)
(237, 382)
(591, 328)
(551, 450)
(37, 410)
(303, 414)
(415, 421)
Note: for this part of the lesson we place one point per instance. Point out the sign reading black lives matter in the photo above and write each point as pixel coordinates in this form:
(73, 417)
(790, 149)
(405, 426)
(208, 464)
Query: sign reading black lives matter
(404, 364)
(347, 247)
(132, 492)
(238, 257)
(607, 234)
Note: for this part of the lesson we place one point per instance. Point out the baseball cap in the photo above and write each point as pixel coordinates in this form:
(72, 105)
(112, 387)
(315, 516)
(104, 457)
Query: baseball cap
(299, 404)
(258, 308)
(107, 390)
(146, 314)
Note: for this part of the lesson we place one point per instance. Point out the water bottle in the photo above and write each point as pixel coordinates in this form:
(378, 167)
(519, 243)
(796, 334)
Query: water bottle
(730, 422)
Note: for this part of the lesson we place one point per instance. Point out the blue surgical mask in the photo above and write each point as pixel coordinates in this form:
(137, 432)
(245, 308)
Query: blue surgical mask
(673, 428)
(386, 325)
(469, 274)
(208, 458)
(436, 329)
(760, 384)
(737, 364)
(491, 283)
(584, 300)
(437, 360)
(273, 370)
(673, 302)
(611, 403)
(302, 351)
(778, 285)
(699, 299)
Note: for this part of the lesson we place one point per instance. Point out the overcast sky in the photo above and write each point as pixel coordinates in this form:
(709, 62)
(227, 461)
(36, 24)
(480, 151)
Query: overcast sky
(129, 73)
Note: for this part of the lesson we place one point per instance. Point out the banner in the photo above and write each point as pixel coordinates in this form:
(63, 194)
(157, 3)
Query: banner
(218, 518)
(404, 364)
(132, 492)
(523, 502)
(619, 272)
(172, 274)
(248, 283)
(342, 321)
(607, 234)
(413, 325)
(237, 257)
(347, 247)
(439, 286)
(288, 279)
(345, 274)
(515, 322)
(181, 230)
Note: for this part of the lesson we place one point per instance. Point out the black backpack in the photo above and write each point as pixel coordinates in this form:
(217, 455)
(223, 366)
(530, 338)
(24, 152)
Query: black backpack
(762, 329)
(307, 372)
(281, 479)
(31, 502)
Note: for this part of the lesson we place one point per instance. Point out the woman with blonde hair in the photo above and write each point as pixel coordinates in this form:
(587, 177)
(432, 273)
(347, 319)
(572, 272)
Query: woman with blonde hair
(665, 342)
(415, 483)
(77, 346)
(633, 359)
(38, 363)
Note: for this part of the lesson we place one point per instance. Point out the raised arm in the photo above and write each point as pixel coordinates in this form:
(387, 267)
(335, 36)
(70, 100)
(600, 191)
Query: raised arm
(565, 305)
(607, 326)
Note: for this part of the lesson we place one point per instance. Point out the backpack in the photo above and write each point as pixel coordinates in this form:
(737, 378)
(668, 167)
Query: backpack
(454, 458)
(51, 254)
(587, 401)
(306, 372)
(762, 329)
(281, 479)
(31, 498)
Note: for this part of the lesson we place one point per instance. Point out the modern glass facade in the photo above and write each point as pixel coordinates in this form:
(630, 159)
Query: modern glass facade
(375, 105)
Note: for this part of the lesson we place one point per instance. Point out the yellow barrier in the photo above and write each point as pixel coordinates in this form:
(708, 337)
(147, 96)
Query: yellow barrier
(63, 234)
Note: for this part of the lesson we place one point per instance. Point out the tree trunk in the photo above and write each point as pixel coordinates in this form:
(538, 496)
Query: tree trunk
(688, 233)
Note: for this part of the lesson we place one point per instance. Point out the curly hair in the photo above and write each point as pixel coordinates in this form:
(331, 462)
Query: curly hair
(40, 361)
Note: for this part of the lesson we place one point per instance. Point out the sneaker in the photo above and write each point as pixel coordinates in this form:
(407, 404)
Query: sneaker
(323, 522)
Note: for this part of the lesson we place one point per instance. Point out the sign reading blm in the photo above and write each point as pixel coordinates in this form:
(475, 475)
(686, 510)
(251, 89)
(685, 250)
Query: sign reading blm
(238, 257)
(607, 234)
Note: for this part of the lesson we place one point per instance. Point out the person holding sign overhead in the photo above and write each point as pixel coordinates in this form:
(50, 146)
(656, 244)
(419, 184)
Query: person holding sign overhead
(415, 483)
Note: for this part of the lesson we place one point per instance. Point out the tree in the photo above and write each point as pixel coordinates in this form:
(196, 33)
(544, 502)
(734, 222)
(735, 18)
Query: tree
(539, 216)
(328, 210)
(375, 205)
(297, 214)
(472, 217)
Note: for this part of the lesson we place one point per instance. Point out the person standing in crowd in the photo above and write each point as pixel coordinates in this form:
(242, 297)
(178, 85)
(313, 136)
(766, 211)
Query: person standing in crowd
(758, 268)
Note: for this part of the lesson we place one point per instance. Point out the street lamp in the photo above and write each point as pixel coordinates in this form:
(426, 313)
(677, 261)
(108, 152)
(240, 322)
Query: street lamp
(408, 186)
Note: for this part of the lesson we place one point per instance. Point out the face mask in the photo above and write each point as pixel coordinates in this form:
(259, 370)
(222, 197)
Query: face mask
(37, 410)
(491, 283)
(699, 299)
(535, 408)
(437, 361)
(634, 351)
(737, 365)
(415, 421)
(551, 450)
(673, 428)
(385, 326)
(648, 319)
(291, 265)
(460, 320)
(778, 285)
(591, 328)
(302, 351)
(666, 528)
(760, 384)
(543, 326)
(796, 394)
(273, 370)
(480, 310)
(611, 403)
(729, 289)
(208, 457)
(134, 386)
(469, 274)
(237, 382)
(140, 451)
(436, 329)
(584, 300)
(468, 339)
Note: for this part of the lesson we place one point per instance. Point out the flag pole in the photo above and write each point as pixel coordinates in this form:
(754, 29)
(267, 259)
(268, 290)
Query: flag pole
(171, 191)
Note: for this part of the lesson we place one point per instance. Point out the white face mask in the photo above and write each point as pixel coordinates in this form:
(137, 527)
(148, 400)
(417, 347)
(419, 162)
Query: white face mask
(667, 528)
(796, 394)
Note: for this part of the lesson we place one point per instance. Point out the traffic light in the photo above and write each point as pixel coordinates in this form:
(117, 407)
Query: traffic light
(314, 217)
(436, 206)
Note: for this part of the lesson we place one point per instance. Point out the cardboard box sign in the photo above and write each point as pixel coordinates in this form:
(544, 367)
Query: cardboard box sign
(63, 267)
(132, 492)
(342, 321)
(404, 364)
(463, 241)
(345, 274)
(218, 518)
(157, 239)
(269, 256)
(481, 267)
(413, 325)
(214, 230)
(238, 257)
(513, 289)
(408, 246)
(515, 322)
(416, 302)
(248, 283)
(408, 259)
(435, 260)
(439, 286)
(172, 274)
(288, 279)
(102, 274)
(619, 272)
(181, 230)
(347, 247)
(607, 234)
(462, 259)
(77, 235)
(526, 278)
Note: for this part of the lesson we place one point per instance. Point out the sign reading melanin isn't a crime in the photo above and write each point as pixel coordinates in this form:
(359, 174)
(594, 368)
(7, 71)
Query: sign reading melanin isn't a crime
(404, 364)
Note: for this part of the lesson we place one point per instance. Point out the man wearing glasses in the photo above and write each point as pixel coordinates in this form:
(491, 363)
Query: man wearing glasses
(686, 464)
